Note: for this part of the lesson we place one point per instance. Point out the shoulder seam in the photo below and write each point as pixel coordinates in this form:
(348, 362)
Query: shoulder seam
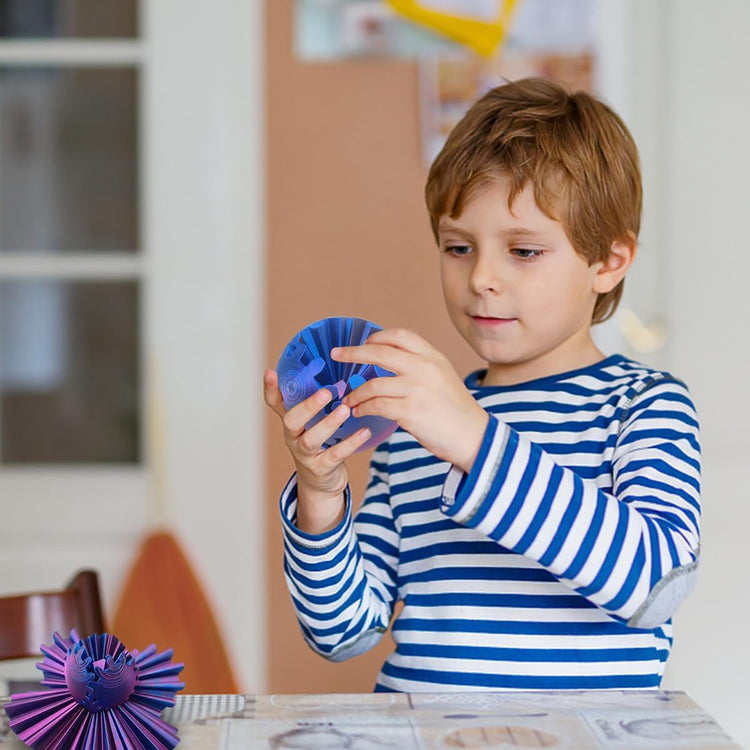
(640, 387)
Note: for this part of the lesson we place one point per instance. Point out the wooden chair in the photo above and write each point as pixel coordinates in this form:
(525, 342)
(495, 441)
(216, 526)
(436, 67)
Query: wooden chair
(28, 620)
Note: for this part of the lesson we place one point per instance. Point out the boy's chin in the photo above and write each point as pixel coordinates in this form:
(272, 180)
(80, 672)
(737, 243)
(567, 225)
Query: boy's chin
(494, 354)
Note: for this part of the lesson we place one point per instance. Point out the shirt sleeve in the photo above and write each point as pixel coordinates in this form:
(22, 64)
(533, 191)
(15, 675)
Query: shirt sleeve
(633, 550)
(343, 582)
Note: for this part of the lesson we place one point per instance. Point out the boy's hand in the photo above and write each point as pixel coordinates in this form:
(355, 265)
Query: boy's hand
(427, 397)
(321, 473)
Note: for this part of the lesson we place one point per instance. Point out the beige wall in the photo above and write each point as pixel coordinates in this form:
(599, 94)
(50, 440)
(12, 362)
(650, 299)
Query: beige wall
(344, 192)
(348, 234)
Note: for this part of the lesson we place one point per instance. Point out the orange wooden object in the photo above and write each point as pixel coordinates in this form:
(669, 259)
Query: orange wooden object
(163, 603)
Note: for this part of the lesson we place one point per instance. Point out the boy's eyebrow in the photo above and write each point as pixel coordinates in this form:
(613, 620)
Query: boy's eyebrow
(522, 232)
(445, 224)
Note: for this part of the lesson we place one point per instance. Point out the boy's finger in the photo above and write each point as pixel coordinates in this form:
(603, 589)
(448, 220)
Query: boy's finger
(401, 338)
(299, 415)
(313, 438)
(341, 451)
(389, 387)
(394, 409)
(382, 355)
(272, 394)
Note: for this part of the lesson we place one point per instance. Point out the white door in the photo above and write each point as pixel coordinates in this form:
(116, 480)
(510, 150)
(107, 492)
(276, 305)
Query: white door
(131, 238)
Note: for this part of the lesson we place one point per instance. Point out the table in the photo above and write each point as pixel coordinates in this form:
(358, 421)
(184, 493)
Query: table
(388, 721)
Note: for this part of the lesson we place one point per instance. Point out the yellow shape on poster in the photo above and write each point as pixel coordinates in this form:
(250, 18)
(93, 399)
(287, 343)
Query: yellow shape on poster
(481, 36)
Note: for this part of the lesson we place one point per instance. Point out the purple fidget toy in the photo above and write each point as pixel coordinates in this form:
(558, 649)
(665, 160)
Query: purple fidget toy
(100, 697)
(306, 366)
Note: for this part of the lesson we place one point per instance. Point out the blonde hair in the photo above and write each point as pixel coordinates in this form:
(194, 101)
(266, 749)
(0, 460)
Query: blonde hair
(575, 151)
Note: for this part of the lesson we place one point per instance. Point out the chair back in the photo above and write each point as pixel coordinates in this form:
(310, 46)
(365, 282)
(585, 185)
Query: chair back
(29, 620)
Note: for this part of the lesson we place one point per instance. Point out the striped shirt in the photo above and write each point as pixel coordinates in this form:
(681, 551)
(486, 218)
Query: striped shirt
(556, 563)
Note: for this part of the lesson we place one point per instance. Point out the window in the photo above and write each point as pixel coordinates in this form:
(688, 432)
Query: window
(70, 233)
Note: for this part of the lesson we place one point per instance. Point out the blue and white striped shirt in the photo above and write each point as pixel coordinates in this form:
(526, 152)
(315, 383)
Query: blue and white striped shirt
(556, 563)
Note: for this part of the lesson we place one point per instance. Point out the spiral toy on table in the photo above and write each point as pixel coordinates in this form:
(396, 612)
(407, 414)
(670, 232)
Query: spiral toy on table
(99, 696)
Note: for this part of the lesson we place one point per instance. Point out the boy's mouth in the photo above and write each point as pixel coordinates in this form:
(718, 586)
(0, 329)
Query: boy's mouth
(483, 320)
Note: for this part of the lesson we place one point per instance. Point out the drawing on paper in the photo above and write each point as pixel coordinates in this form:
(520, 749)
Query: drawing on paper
(327, 737)
(488, 737)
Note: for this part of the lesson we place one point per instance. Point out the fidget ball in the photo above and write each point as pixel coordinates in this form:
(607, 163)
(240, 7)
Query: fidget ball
(306, 366)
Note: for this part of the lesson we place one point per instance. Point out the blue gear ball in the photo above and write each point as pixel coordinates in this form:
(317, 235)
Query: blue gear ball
(306, 366)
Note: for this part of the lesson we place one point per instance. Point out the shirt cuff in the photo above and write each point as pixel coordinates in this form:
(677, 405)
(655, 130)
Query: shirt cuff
(463, 494)
(301, 540)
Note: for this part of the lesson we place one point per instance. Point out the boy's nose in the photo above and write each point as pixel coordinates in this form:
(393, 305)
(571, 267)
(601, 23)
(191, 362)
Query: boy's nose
(485, 277)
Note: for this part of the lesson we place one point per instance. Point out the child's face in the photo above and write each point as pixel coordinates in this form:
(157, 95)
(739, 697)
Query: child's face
(516, 289)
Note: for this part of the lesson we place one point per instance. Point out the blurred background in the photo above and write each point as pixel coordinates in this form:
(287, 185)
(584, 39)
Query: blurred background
(184, 184)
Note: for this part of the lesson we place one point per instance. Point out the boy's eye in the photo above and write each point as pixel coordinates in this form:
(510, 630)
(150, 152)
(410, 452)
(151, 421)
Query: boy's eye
(458, 250)
(527, 253)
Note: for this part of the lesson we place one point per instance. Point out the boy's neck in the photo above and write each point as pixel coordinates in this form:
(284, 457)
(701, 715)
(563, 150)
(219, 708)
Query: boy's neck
(553, 363)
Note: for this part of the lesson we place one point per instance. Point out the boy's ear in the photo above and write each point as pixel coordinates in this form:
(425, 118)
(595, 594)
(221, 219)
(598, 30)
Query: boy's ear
(612, 271)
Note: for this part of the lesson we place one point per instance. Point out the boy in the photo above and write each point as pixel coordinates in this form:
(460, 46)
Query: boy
(540, 522)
